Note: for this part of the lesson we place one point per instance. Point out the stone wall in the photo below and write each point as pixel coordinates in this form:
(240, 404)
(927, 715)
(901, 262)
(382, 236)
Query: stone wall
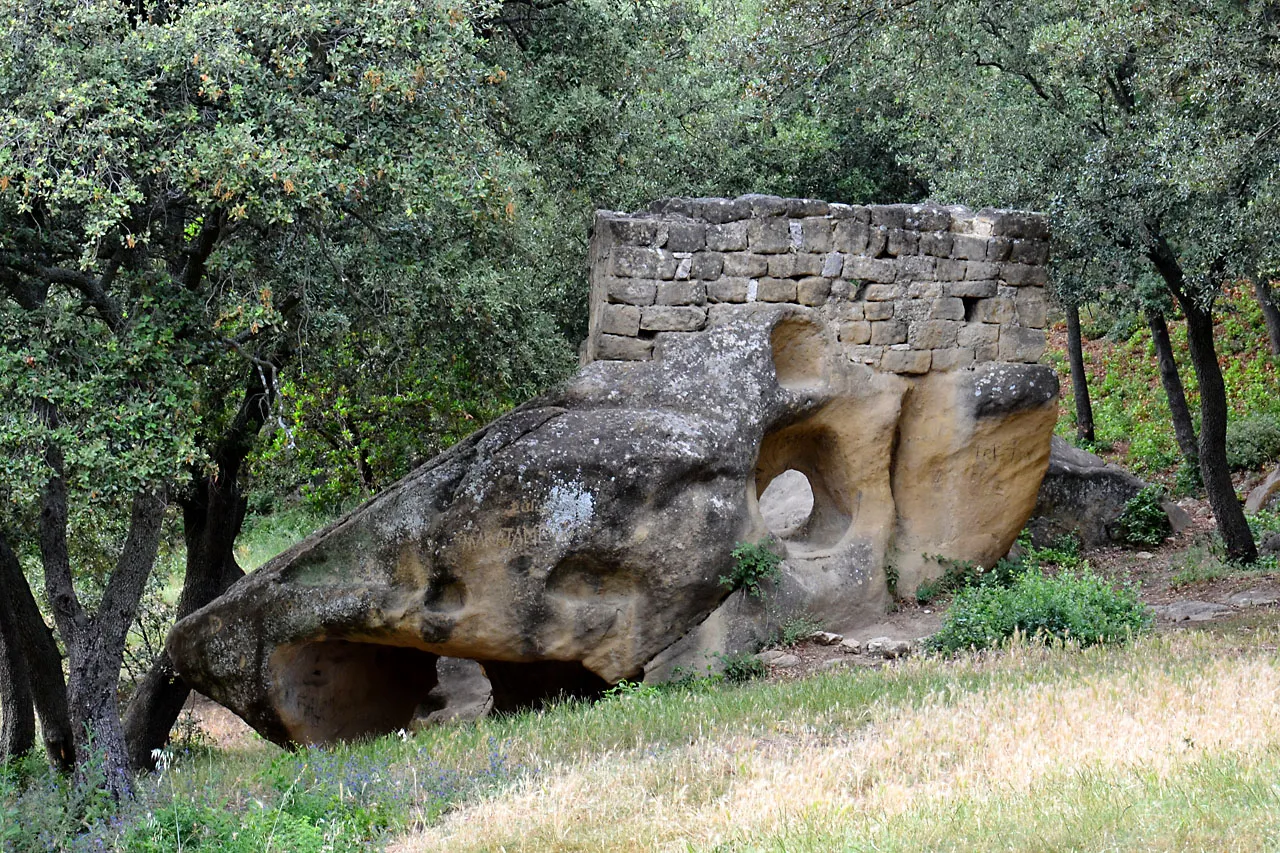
(911, 288)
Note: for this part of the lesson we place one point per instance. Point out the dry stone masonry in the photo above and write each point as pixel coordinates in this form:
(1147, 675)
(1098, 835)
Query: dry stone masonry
(911, 288)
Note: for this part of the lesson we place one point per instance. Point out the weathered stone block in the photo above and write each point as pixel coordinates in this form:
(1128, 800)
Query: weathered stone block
(815, 235)
(866, 355)
(997, 309)
(877, 240)
(799, 208)
(776, 290)
(936, 244)
(889, 215)
(926, 290)
(636, 262)
(673, 318)
(900, 242)
(878, 310)
(1028, 226)
(946, 308)
(721, 210)
(832, 265)
(681, 293)
(847, 310)
(906, 361)
(979, 289)
(765, 205)
(618, 348)
(620, 320)
(850, 236)
(633, 231)
(977, 335)
(782, 266)
(933, 334)
(727, 290)
(707, 265)
(1019, 344)
(855, 332)
(743, 265)
(883, 292)
(951, 270)
(917, 268)
(969, 247)
(632, 291)
(729, 237)
(769, 236)
(912, 310)
(886, 332)
(1031, 307)
(1020, 275)
(684, 264)
(956, 358)
(813, 290)
(982, 270)
(1029, 252)
(998, 249)
(928, 217)
(858, 212)
(870, 269)
(686, 236)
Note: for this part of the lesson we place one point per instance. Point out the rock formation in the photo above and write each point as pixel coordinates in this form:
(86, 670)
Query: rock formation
(575, 541)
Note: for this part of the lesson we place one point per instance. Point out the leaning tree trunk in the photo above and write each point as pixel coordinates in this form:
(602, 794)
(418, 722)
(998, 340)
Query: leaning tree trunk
(1079, 379)
(211, 519)
(17, 714)
(43, 661)
(1183, 428)
(1232, 524)
(1270, 314)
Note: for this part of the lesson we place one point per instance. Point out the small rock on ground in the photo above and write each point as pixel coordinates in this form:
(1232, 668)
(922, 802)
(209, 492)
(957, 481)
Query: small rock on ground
(826, 638)
(1252, 598)
(887, 647)
(1192, 611)
(778, 658)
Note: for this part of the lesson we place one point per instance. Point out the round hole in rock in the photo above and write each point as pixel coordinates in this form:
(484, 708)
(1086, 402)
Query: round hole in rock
(787, 503)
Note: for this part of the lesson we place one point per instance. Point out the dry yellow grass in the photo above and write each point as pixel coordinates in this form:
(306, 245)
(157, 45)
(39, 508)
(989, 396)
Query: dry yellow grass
(1120, 752)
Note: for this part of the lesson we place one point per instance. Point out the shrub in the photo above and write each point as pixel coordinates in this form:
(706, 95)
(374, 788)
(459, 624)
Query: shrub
(753, 564)
(1074, 605)
(1143, 520)
(742, 667)
(797, 628)
(1253, 441)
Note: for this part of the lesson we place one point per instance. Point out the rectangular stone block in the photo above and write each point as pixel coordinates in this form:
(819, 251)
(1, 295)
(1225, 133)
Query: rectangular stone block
(673, 318)
(998, 249)
(743, 265)
(866, 355)
(889, 215)
(776, 290)
(971, 289)
(815, 235)
(617, 348)
(727, 312)
(800, 208)
(808, 264)
(926, 290)
(632, 291)
(917, 268)
(906, 361)
(782, 266)
(832, 265)
(900, 242)
(635, 262)
(936, 244)
(883, 292)
(1021, 275)
(933, 334)
(886, 332)
(686, 236)
(968, 247)
(912, 310)
(620, 320)
(946, 308)
(928, 217)
(847, 310)
(1031, 307)
(684, 264)
(976, 335)
(956, 358)
(1022, 345)
(855, 332)
(1029, 226)
(877, 240)
(870, 269)
(951, 270)
(770, 236)
(633, 231)
(727, 289)
(981, 270)
(765, 205)
(721, 210)
(813, 290)
(1034, 252)
(878, 310)
(856, 212)
(681, 293)
(850, 236)
(729, 237)
(997, 309)
(706, 265)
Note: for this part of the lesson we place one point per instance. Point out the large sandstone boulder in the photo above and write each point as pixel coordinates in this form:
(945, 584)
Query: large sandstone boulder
(569, 543)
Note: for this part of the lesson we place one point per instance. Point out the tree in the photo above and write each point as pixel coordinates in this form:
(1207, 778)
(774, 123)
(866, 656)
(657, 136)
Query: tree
(1147, 133)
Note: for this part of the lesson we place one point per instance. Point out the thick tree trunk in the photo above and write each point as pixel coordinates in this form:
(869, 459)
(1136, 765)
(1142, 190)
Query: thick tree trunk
(1232, 524)
(43, 661)
(17, 714)
(1183, 428)
(211, 519)
(1270, 314)
(1079, 379)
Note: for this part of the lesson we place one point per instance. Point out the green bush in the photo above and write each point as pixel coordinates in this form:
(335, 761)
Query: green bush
(1253, 441)
(797, 628)
(753, 564)
(1143, 520)
(1074, 605)
(742, 667)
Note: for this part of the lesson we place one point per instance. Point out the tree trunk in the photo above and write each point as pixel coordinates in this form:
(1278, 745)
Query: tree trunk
(43, 661)
(1079, 380)
(1232, 524)
(1183, 429)
(17, 714)
(211, 519)
(1270, 314)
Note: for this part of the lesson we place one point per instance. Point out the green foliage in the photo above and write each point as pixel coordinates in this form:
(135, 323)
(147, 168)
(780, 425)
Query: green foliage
(796, 628)
(1143, 520)
(1253, 441)
(742, 667)
(753, 565)
(1063, 553)
(1075, 606)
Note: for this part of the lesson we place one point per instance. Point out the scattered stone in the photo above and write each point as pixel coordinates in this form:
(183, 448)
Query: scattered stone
(1265, 494)
(778, 658)
(1192, 611)
(826, 638)
(1253, 598)
(851, 646)
(888, 648)
(1145, 555)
